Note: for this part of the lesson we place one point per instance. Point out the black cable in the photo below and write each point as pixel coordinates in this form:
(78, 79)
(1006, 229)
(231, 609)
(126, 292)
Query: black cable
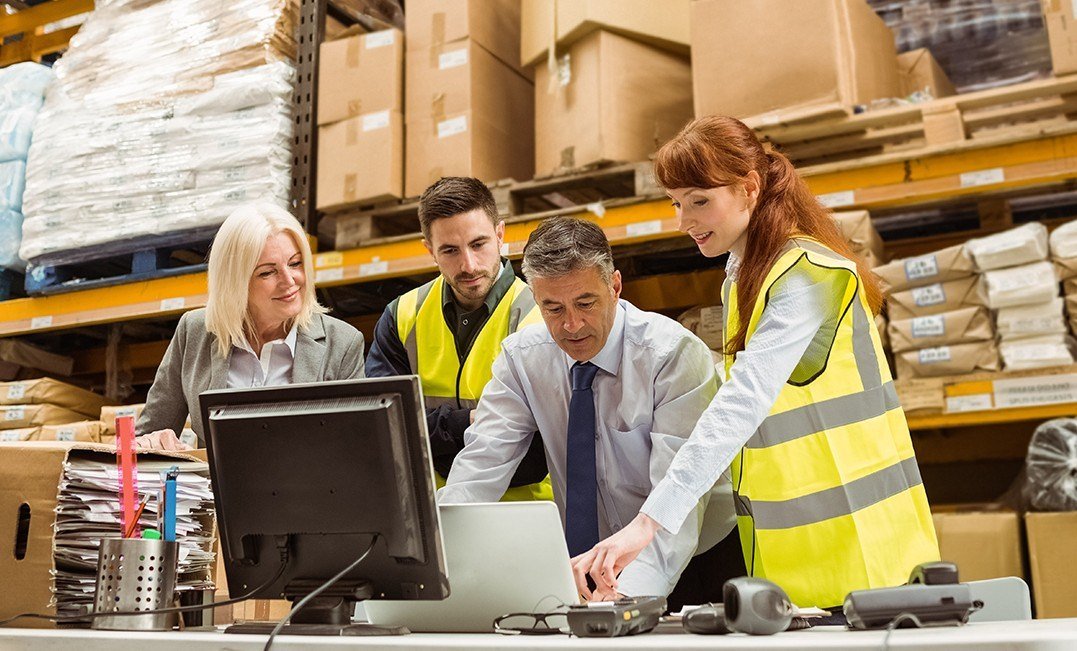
(79, 619)
(322, 588)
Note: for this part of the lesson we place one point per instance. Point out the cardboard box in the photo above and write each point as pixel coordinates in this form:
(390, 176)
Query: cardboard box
(21, 434)
(493, 24)
(857, 229)
(1050, 553)
(957, 359)
(706, 323)
(920, 71)
(985, 545)
(361, 74)
(950, 263)
(53, 392)
(16, 355)
(87, 431)
(361, 160)
(758, 56)
(29, 480)
(613, 100)
(1065, 268)
(675, 291)
(110, 413)
(958, 327)
(660, 24)
(1058, 16)
(20, 416)
(936, 298)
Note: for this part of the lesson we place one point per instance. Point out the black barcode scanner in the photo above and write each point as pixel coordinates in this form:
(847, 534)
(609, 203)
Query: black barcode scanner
(752, 606)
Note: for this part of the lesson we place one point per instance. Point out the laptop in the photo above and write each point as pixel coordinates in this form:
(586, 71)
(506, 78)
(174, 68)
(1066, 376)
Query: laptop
(502, 558)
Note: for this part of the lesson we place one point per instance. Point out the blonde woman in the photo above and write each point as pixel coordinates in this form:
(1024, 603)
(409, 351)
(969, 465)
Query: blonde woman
(262, 326)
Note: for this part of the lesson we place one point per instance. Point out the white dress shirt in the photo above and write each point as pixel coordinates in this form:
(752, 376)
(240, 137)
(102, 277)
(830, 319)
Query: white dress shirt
(655, 379)
(799, 305)
(270, 368)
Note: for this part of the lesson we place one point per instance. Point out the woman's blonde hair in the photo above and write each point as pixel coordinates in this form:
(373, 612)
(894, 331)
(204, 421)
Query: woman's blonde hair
(232, 259)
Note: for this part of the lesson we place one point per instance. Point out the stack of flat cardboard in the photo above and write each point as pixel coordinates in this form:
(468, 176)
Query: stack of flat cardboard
(47, 409)
(1063, 244)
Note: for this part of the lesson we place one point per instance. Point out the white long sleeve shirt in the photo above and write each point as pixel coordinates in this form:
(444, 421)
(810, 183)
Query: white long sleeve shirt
(271, 367)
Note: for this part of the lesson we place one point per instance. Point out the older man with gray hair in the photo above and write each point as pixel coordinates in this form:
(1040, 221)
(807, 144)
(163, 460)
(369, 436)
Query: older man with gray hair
(614, 391)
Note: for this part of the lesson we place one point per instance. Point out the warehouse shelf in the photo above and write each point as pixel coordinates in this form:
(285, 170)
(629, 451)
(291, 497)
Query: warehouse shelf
(30, 23)
(995, 417)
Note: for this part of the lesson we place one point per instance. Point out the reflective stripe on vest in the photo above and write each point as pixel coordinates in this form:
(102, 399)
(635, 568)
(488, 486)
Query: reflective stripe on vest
(827, 491)
(432, 354)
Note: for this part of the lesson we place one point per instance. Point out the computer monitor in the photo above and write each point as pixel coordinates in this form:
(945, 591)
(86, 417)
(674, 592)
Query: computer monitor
(314, 472)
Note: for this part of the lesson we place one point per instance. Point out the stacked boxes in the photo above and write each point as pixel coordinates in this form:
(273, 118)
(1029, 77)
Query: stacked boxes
(1020, 283)
(939, 324)
(1063, 244)
(47, 409)
(469, 108)
(360, 120)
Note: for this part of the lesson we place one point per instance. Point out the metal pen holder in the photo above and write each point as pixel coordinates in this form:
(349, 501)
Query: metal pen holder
(135, 574)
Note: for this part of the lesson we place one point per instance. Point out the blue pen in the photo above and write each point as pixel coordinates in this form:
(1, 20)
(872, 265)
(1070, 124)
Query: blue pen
(169, 523)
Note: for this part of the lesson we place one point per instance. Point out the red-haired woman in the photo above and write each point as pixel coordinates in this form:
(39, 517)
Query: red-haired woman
(827, 491)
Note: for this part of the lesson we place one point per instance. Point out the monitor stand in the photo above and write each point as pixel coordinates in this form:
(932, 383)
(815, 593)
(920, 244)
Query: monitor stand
(327, 614)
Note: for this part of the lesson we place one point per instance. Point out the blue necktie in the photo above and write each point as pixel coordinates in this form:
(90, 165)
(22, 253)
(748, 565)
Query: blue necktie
(581, 483)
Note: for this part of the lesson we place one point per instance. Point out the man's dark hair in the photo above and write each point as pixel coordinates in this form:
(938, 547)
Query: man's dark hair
(452, 195)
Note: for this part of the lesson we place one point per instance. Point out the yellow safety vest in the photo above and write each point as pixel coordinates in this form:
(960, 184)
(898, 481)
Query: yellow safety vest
(432, 354)
(827, 491)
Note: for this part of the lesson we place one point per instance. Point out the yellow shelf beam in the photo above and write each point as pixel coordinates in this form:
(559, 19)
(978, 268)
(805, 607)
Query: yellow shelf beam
(993, 417)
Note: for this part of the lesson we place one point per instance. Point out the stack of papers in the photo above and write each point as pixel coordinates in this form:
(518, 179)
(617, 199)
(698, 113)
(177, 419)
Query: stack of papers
(88, 509)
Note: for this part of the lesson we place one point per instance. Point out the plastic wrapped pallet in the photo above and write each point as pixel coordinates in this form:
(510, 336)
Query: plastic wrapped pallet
(1017, 246)
(1050, 482)
(1036, 352)
(1031, 320)
(165, 117)
(1028, 284)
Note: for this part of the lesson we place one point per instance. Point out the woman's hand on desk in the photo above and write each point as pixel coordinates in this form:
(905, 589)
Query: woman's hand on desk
(606, 559)
(162, 439)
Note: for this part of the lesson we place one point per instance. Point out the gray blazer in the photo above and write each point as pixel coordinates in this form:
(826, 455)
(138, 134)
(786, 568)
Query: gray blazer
(329, 349)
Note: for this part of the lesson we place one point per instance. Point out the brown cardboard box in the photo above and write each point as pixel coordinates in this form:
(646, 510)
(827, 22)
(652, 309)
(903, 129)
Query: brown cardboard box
(958, 327)
(87, 431)
(950, 263)
(920, 71)
(705, 323)
(29, 475)
(53, 392)
(857, 229)
(935, 298)
(614, 100)
(16, 355)
(985, 545)
(1058, 15)
(660, 24)
(957, 359)
(675, 291)
(1050, 554)
(20, 416)
(493, 24)
(361, 160)
(361, 74)
(758, 56)
(109, 415)
(22, 434)
(1066, 268)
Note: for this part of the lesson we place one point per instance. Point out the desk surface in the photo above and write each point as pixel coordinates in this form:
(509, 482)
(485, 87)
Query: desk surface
(1045, 635)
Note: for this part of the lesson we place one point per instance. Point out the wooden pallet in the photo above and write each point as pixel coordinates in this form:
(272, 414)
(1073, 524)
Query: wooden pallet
(562, 194)
(816, 136)
(120, 262)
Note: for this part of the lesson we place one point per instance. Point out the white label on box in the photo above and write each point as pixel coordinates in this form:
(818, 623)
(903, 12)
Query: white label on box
(9, 436)
(328, 275)
(40, 322)
(929, 326)
(169, 304)
(838, 199)
(380, 39)
(189, 437)
(924, 266)
(453, 59)
(331, 259)
(16, 391)
(125, 411)
(374, 268)
(1034, 325)
(452, 127)
(935, 355)
(374, 121)
(1031, 391)
(14, 413)
(976, 402)
(641, 229)
(564, 71)
(65, 435)
(930, 295)
(982, 177)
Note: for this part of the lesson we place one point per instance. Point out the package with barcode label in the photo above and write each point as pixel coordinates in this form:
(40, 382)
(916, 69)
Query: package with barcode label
(1017, 246)
(21, 434)
(950, 263)
(936, 298)
(1031, 320)
(1025, 285)
(21, 416)
(958, 327)
(1037, 352)
(86, 431)
(53, 392)
(958, 359)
